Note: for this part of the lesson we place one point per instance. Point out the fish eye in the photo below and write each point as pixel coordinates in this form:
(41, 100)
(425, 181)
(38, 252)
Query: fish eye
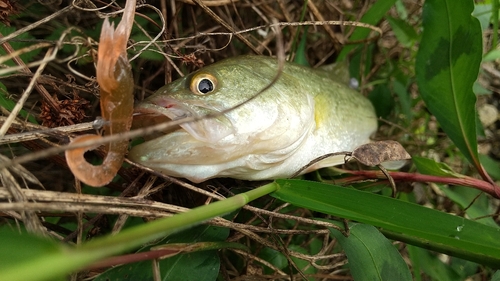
(203, 84)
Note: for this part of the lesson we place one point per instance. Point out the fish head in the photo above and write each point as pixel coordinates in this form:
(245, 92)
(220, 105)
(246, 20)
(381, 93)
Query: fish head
(209, 96)
(188, 98)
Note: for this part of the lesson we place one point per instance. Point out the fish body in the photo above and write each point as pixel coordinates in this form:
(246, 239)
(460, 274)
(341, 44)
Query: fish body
(302, 116)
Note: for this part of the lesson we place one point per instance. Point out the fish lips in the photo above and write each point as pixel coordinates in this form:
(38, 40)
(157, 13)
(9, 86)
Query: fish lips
(161, 109)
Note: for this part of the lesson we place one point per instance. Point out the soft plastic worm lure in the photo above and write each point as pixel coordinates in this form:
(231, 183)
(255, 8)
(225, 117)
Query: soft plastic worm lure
(116, 83)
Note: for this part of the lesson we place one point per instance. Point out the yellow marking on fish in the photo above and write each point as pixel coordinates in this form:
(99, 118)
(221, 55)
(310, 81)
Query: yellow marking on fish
(321, 109)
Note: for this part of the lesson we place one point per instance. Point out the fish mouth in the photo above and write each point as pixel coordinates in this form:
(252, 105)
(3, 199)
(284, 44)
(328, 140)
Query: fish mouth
(162, 109)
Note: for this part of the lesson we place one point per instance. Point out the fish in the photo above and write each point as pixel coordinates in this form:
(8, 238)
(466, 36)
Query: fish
(305, 114)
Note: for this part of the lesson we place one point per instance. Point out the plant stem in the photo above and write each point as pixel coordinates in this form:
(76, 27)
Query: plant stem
(494, 19)
(484, 186)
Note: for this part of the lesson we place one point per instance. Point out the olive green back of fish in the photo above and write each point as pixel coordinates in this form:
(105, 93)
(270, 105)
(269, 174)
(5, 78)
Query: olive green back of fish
(343, 116)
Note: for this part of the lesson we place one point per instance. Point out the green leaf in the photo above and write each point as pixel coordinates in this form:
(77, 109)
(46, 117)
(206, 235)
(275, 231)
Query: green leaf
(463, 196)
(428, 166)
(401, 9)
(433, 267)
(361, 61)
(274, 257)
(423, 261)
(398, 220)
(18, 44)
(480, 209)
(9, 104)
(492, 55)
(405, 33)
(464, 268)
(303, 265)
(496, 276)
(16, 247)
(447, 65)
(483, 13)
(480, 90)
(492, 166)
(382, 100)
(376, 12)
(371, 256)
(404, 99)
(203, 265)
(300, 54)
(416, 264)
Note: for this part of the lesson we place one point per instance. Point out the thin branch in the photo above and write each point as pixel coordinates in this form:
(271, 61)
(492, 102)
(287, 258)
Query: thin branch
(415, 177)
(25, 95)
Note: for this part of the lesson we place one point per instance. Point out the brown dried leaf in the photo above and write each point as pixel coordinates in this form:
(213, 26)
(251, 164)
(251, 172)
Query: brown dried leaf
(7, 8)
(191, 58)
(375, 153)
(72, 111)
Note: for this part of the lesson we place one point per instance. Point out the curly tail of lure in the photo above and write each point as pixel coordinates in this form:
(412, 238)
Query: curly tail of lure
(116, 83)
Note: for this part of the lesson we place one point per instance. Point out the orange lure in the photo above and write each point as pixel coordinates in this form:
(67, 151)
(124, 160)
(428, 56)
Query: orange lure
(116, 83)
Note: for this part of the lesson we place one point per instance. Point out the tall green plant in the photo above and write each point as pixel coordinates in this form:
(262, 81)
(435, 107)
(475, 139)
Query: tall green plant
(447, 66)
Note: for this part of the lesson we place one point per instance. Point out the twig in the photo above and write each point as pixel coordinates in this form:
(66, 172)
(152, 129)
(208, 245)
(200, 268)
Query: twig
(327, 28)
(415, 177)
(316, 160)
(33, 135)
(227, 26)
(35, 24)
(389, 178)
(14, 54)
(24, 97)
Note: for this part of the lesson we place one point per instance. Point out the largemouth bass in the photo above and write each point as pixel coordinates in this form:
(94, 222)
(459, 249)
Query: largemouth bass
(304, 115)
